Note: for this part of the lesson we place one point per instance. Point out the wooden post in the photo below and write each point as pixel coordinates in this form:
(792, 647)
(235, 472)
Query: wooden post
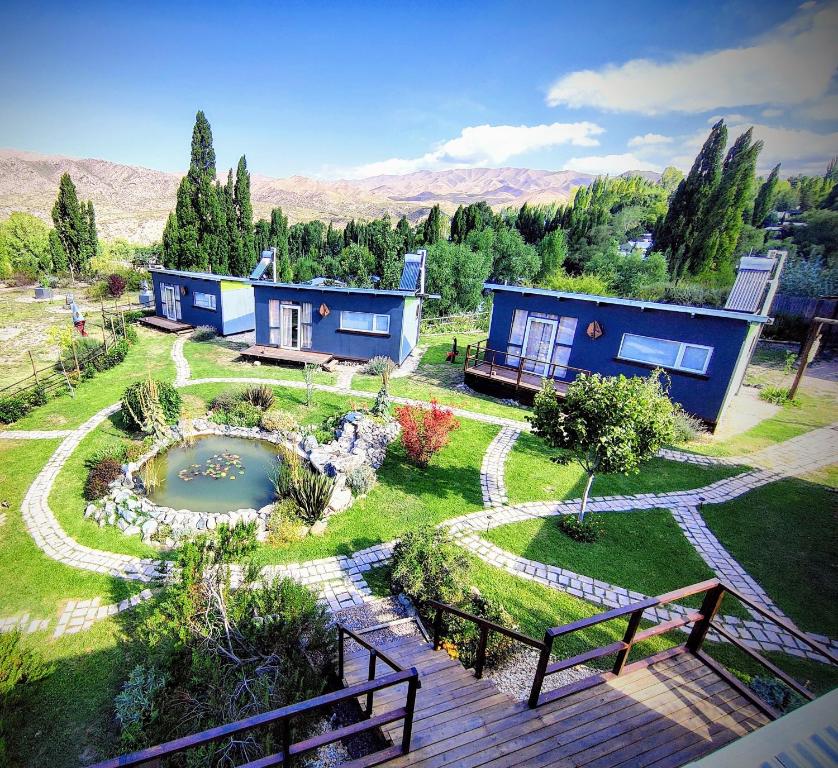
(468, 353)
(75, 356)
(340, 653)
(122, 315)
(104, 334)
(810, 349)
(285, 730)
(709, 607)
(437, 628)
(34, 369)
(520, 373)
(481, 651)
(541, 670)
(628, 638)
(492, 364)
(371, 677)
(410, 706)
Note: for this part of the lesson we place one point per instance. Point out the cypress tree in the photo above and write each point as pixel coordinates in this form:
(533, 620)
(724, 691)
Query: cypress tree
(70, 222)
(171, 242)
(678, 232)
(458, 226)
(262, 236)
(235, 245)
(243, 261)
(279, 240)
(766, 196)
(405, 235)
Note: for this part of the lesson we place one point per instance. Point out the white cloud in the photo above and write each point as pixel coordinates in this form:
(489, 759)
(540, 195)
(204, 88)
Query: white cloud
(799, 150)
(613, 165)
(824, 109)
(649, 139)
(481, 145)
(793, 65)
(772, 112)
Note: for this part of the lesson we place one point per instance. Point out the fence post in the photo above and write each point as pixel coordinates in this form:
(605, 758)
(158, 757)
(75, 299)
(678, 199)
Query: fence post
(709, 607)
(75, 356)
(285, 729)
(34, 369)
(541, 670)
(468, 353)
(481, 651)
(340, 653)
(628, 638)
(371, 677)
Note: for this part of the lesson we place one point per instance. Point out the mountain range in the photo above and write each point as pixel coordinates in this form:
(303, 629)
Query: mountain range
(133, 202)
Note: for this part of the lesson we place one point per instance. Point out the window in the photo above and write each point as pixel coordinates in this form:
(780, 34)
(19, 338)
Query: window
(365, 322)
(204, 300)
(678, 355)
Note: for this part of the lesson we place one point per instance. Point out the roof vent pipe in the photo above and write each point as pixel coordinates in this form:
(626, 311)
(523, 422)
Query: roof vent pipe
(423, 254)
(273, 261)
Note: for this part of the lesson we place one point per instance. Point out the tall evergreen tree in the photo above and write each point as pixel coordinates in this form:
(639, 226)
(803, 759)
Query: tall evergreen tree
(766, 197)
(677, 234)
(279, 240)
(235, 245)
(242, 261)
(406, 235)
(458, 226)
(262, 236)
(433, 226)
(70, 221)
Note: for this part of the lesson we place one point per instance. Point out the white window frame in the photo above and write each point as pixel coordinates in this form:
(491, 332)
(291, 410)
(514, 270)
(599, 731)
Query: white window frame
(683, 346)
(211, 304)
(380, 324)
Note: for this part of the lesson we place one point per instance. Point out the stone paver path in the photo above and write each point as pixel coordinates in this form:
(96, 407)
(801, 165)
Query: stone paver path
(492, 482)
(23, 623)
(79, 615)
(34, 434)
(182, 370)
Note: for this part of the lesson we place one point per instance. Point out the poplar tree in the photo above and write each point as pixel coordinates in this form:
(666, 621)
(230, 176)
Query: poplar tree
(242, 261)
(677, 234)
(278, 238)
(406, 235)
(261, 236)
(458, 226)
(234, 240)
(764, 203)
(433, 226)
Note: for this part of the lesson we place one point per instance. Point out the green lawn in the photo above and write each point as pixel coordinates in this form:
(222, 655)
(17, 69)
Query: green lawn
(642, 551)
(404, 498)
(67, 719)
(209, 359)
(29, 580)
(532, 476)
(437, 347)
(811, 413)
(786, 536)
(152, 354)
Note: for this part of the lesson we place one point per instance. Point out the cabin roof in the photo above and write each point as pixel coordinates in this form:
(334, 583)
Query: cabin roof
(679, 308)
(199, 275)
(332, 288)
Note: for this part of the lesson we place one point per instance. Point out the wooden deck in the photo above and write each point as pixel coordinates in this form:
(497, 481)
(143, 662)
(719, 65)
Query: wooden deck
(509, 377)
(278, 355)
(166, 325)
(666, 714)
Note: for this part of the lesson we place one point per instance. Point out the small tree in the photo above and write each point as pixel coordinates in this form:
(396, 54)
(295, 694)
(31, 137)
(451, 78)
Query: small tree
(116, 285)
(425, 430)
(308, 376)
(608, 424)
(383, 366)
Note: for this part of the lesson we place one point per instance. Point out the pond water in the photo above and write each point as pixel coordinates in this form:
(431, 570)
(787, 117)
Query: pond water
(215, 474)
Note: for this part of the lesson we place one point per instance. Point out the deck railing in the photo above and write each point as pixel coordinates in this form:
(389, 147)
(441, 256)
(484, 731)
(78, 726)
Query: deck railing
(282, 718)
(714, 592)
(480, 354)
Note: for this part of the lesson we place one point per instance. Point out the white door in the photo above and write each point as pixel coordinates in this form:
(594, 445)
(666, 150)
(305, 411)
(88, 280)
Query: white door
(290, 326)
(538, 344)
(169, 302)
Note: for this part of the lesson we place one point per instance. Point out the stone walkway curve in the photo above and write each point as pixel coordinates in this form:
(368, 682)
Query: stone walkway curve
(34, 434)
(340, 579)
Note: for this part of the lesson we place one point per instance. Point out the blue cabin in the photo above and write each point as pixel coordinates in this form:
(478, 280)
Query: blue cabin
(537, 334)
(184, 299)
(323, 319)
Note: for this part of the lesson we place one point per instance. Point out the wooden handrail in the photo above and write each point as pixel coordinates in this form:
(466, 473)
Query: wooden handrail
(485, 626)
(282, 717)
(343, 630)
(552, 367)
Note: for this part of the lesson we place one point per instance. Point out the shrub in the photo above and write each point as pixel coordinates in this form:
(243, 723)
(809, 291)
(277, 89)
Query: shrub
(586, 531)
(149, 405)
(775, 694)
(425, 431)
(116, 285)
(361, 479)
(309, 490)
(465, 634)
(99, 477)
(279, 421)
(777, 396)
(427, 565)
(226, 401)
(204, 333)
(136, 704)
(118, 452)
(242, 414)
(284, 524)
(687, 427)
(260, 395)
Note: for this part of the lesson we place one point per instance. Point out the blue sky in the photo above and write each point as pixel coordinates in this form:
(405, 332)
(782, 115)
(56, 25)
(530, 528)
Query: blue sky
(340, 89)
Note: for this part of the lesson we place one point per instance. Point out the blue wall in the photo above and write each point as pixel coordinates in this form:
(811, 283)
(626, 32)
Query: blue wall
(702, 395)
(238, 319)
(325, 333)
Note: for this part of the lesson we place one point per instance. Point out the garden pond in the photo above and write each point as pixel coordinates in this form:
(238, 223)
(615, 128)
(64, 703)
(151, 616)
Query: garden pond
(214, 474)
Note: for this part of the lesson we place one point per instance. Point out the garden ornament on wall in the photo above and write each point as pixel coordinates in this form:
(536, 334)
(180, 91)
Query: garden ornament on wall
(324, 310)
(595, 330)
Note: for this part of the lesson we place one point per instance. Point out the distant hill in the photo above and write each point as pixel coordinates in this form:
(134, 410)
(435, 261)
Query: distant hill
(133, 202)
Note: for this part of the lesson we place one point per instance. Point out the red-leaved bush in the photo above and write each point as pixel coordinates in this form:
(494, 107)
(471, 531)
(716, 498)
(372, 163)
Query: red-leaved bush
(425, 430)
(116, 285)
